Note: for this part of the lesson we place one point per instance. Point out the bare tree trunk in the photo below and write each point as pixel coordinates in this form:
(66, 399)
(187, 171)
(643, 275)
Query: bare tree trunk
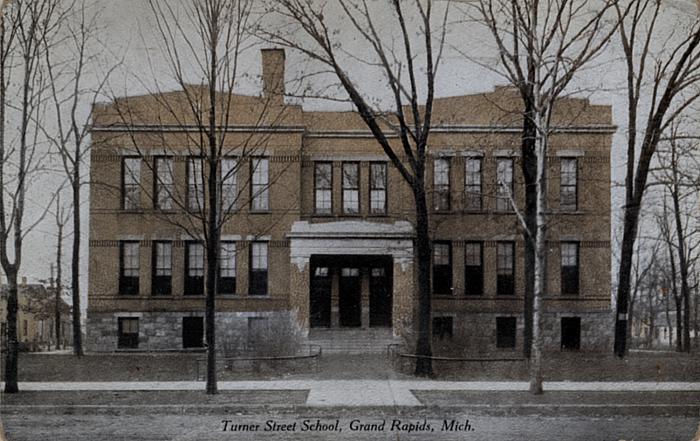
(529, 169)
(540, 257)
(214, 229)
(423, 345)
(12, 354)
(59, 284)
(75, 263)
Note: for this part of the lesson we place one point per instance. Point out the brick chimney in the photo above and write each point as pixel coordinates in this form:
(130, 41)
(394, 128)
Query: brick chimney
(273, 75)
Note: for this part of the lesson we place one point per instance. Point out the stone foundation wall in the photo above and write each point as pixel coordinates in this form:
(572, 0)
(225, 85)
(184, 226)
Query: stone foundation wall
(476, 333)
(162, 331)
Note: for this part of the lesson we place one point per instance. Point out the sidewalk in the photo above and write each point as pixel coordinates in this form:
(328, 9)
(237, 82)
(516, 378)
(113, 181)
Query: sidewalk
(362, 393)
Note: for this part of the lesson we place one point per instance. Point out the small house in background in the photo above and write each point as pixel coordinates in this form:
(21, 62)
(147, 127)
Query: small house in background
(35, 318)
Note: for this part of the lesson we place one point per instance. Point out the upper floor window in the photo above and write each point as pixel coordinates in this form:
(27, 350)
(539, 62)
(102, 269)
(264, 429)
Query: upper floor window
(162, 268)
(194, 268)
(164, 183)
(195, 185)
(131, 183)
(505, 189)
(505, 268)
(258, 269)
(473, 268)
(441, 183)
(229, 183)
(442, 268)
(569, 268)
(472, 184)
(568, 196)
(323, 187)
(260, 184)
(129, 264)
(377, 188)
(227, 268)
(351, 188)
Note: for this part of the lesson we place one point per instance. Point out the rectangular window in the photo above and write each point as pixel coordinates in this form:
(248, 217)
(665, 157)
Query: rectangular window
(131, 183)
(571, 333)
(323, 187)
(473, 269)
(377, 188)
(472, 184)
(192, 332)
(194, 269)
(569, 268)
(163, 183)
(441, 184)
(260, 193)
(129, 268)
(505, 332)
(227, 268)
(229, 183)
(25, 328)
(505, 265)
(351, 188)
(442, 268)
(568, 197)
(505, 189)
(258, 269)
(128, 332)
(195, 185)
(162, 268)
(443, 328)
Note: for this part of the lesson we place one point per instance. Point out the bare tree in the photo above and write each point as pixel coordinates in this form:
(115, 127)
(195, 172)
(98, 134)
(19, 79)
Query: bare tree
(678, 174)
(61, 219)
(203, 40)
(669, 79)
(68, 93)
(542, 46)
(25, 26)
(645, 260)
(407, 61)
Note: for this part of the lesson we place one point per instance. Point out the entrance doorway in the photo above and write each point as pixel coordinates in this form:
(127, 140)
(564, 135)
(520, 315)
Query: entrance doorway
(380, 297)
(350, 298)
(320, 301)
(350, 291)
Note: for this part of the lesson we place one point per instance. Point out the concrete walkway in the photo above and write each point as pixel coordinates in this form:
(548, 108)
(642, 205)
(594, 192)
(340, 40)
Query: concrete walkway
(357, 393)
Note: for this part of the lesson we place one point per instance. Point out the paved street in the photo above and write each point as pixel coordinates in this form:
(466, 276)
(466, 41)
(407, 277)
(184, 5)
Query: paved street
(422, 425)
(667, 413)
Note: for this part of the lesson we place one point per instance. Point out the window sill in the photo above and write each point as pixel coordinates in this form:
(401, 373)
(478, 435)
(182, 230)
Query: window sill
(260, 212)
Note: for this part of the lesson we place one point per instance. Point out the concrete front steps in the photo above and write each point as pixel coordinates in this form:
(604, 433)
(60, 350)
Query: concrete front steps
(352, 340)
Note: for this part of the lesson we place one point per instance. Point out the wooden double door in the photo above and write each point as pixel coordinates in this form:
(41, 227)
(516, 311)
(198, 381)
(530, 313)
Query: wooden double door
(347, 275)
